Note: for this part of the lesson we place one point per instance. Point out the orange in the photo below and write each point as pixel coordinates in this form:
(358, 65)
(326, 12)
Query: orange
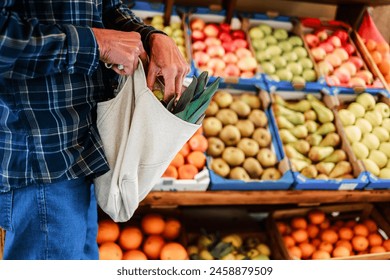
(173, 251)
(300, 235)
(375, 239)
(377, 57)
(197, 158)
(344, 243)
(316, 217)
(382, 47)
(170, 172)
(299, 223)
(320, 255)
(152, 223)
(198, 143)
(339, 224)
(316, 242)
(371, 225)
(307, 250)
(134, 255)
(350, 223)
(288, 241)
(152, 246)
(371, 45)
(360, 229)
(377, 249)
(386, 245)
(312, 231)
(295, 252)
(199, 131)
(185, 150)
(341, 252)
(345, 233)
(384, 67)
(108, 230)
(282, 227)
(172, 229)
(325, 224)
(359, 243)
(130, 238)
(330, 236)
(178, 160)
(110, 251)
(187, 171)
(326, 246)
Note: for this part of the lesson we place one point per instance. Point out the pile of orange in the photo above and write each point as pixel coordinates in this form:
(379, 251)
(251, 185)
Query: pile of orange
(154, 238)
(315, 237)
(190, 160)
(380, 54)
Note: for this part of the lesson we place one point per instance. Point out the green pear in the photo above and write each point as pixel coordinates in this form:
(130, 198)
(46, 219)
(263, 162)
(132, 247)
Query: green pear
(378, 157)
(314, 139)
(324, 114)
(341, 168)
(298, 164)
(322, 177)
(371, 166)
(310, 115)
(382, 134)
(317, 153)
(360, 150)
(364, 125)
(302, 146)
(292, 153)
(385, 148)
(354, 134)
(309, 171)
(383, 108)
(386, 124)
(325, 167)
(326, 128)
(336, 156)
(300, 131)
(332, 139)
(280, 110)
(374, 117)
(279, 100)
(296, 118)
(347, 117)
(312, 126)
(384, 173)
(283, 122)
(357, 109)
(366, 100)
(371, 141)
(301, 106)
(286, 136)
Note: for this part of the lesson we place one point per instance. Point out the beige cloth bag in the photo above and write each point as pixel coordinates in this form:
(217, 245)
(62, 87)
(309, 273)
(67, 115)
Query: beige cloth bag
(140, 138)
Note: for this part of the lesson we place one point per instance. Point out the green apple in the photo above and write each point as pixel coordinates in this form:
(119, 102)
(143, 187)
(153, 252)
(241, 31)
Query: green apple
(378, 157)
(267, 30)
(347, 117)
(270, 40)
(298, 80)
(371, 166)
(295, 41)
(371, 141)
(178, 33)
(386, 124)
(295, 68)
(374, 117)
(256, 33)
(357, 109)
(158, 26)
(279, 62)
(175, 25)
(385, 148)
(290, 56)
(306, 63)
(366, 100)
(168, 30)
(268, 68)
(383, 108)
(354, 134)
(360, 150)
(157, 20)
(300, 51)
(285, 46)
(280, 34)
(259, 45)
(309, 75)
(382, 134)
(274, 78)
(179, 40)
(284, 74)
(262, 56)
(384, 173)
(274, 51)
(364, 125)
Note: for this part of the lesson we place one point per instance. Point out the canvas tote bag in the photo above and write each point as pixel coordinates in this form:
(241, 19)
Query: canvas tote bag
(140, 138)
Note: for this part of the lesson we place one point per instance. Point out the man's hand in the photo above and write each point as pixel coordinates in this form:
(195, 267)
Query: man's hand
(122, 48)
(166, 60)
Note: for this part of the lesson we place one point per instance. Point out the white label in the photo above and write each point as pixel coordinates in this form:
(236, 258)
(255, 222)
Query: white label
(344, 187)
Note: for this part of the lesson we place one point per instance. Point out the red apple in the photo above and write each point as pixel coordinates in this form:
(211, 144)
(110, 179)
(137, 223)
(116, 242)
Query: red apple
(342, 35)
(243, 52)
(322, 34)
(343, 75)
(197, 24)
(215, 51)
(199, 46)
(198, 35)
(231, 70)
(357, 61)
(211, 30)
(357, 82)
(238, 34)
(217, 64)
(240, 43)
(350, 67)
(247, 63)
(225, 37)
(333, 80)
(350, 49)
(225, 27)
(335, 41)
(312, 40)
(328, 47)
(229, 47)
(211, 41)
(342, 53)
(333, 59)
(247, 74)
(318, 53)
(230, 58)
(201, 58)
(366, 76)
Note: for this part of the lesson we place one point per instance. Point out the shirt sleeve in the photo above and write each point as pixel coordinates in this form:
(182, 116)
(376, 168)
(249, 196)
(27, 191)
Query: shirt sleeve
(29, 49)
(119, 17)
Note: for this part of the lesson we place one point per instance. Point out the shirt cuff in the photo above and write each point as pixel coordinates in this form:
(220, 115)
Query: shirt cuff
(83, 51)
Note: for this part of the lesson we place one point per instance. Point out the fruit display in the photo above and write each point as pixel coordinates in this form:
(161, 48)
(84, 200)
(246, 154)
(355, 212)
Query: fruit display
(337, 58)
(366, 124)
(310, 138)
(316, 234)
(239, 138)
(282, 54)
(154, 238)
(221, 50)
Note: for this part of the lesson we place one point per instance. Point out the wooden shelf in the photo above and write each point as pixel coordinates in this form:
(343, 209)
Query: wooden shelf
(166, 199)
(347, 2)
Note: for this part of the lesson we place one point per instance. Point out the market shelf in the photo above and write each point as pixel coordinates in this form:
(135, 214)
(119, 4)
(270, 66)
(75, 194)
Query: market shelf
(187, 198)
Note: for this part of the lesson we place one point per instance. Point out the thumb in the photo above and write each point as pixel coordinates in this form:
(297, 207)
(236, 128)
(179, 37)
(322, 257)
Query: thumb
(152, 74)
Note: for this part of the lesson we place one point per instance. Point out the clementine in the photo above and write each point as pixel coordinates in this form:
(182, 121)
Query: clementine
(187, 171)
(307, 250)
(198, 143)
(178, 160)
(340, 252)
(130, 238)
(316, 217)
(316, 242)
(359, 243)
(330, 236)
(326, 246)
(300, 235)
(108, 230)
(299, 223)
(152, 246)
(282, 227)
(110, 251)
(386, 245)
(185, 150)
(382, 47)
(288, 241)
(377, 250)
(134, 255)
(170, 172)
(152, 223)
(345, 233)
(371, 45)
(384, 67)
(361, 230)
(320, 255)
(295, 252)
(173, 251)
(325, 224)
(375, 239)
(371, 225)
(350, 223)
(344, 243)
(377, 57)
(197, 158)
(172, 229)
(312, 231)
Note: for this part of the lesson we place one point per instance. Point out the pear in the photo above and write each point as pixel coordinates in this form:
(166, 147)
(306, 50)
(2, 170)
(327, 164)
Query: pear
(301, 106)
(294, 154)
(296, 118)
(354, 134)
(279, 100)
(357, 109)
(341, 168)
(325, 167)
(371, 166)
(385, 148)
(314, 99)
(374, 117)
(366, 100)
(383, 108)
(382, 134)
(346, 117)
(314, 139)
(378, 157)
(364, 125)
(252, 100)
(384, 173)
(322, 177)
(253, 167)
(302, 146)
(326, 128)
(332, 139)
(386, 124)
(388, 164)
(286, 136)
(310, 115)
(324, 114)
(298, 164)
(360, 150)
(371, 141)
(319, 153)
(300, 131)
(311, 126)
(280, 110)
(283, 122)
(309, 171)
(336, 156)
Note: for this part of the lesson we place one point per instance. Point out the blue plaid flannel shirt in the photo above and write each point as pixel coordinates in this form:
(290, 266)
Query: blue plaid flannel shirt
(50, 82)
